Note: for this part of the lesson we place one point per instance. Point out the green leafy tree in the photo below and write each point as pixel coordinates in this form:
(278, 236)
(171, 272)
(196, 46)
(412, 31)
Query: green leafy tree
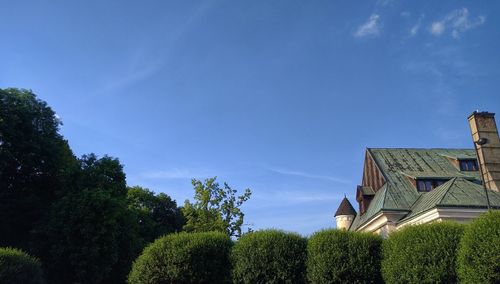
(215, 208)
(157, 214)
(35, 162)
(95, 232)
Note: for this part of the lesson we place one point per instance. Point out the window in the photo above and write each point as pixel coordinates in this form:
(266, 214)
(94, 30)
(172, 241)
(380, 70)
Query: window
(468, 165)
(426, 185)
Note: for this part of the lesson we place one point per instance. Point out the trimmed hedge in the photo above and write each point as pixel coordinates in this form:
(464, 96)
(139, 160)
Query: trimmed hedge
(269, 256)
(422, 254)
(479, 252)
(185, 258)
(18, 267)
(339, 256)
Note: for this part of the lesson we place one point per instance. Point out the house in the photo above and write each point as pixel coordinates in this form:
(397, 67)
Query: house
(406, 186)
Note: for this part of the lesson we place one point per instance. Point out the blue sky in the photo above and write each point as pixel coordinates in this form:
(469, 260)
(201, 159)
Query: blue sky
(282, 97)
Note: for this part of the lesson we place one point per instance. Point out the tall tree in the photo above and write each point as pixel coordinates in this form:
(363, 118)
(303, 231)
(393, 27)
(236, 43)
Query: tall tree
(34, 163)
(94, 232)
(215, 208)
(157, 214)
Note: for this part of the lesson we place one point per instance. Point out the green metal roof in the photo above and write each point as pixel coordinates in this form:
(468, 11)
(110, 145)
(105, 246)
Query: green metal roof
(457, 192)
(367, 190)
(400, 165)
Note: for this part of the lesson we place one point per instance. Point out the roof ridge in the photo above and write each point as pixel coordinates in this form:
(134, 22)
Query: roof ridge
(451, 182)
(386, 189)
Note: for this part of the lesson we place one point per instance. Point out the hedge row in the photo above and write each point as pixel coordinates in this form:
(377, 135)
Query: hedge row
(270, 256)
(185, 258)
(338, 256)
(422, 254)
(18, 267)
(479, 251)
(429, 253)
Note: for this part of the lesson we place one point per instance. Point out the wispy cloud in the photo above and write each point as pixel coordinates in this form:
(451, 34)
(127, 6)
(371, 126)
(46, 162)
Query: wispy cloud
(369, 28)
(176, 173)
(284, 198)
(147, 61)
(458, 21)
(384, 2)
(308, 175)
(416, 27)
(405, 14)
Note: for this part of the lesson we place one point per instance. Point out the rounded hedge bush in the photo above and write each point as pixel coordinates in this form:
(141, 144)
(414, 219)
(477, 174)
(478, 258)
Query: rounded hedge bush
(18, 267)
(339, 256)
(479, 252)
(269, 256)
(185, 258)
(422, 254)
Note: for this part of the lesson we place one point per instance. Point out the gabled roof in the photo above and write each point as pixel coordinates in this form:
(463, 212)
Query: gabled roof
(457, 192)
(345, 208)
(376, 206)
(399, 166)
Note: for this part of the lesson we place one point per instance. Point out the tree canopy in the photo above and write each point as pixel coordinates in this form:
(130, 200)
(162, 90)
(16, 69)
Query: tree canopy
(157, 214)
(97, 235)
(215, 208)
(75, 215)
(34, 163)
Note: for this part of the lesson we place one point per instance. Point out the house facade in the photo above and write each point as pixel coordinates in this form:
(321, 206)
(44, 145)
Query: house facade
(405, 186)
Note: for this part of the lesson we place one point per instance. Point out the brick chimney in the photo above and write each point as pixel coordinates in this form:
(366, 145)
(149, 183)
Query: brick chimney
(485, 137)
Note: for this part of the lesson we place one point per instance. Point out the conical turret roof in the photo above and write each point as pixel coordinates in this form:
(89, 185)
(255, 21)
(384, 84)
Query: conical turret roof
(345, 208)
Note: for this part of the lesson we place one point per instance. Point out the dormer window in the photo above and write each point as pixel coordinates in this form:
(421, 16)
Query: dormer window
(468, 165)
(426, 185)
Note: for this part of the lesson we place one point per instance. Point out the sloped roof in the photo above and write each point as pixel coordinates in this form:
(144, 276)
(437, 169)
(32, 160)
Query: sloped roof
(400, 165)
(345, 208)
(366, 190)
(457, 192)
(375, 206)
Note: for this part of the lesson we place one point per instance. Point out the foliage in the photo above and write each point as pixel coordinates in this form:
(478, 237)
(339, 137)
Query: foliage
(18, 267)
(157, 215)
(479, 252)
(184, 258)
(338, 256)
(422, 254)
(215, 208)
(95, 233)
(34, 160)
(269, 256)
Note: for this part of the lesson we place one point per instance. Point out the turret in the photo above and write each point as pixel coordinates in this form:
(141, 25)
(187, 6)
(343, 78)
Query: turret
(345, 214)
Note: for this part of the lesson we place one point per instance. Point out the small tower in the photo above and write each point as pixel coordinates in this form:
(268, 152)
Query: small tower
(345, 214)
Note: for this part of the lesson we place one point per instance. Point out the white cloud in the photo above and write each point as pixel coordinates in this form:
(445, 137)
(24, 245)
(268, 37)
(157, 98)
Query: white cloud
(458, 21)
(308, 175)
(414, 30)
(437, 28)
(369, 28)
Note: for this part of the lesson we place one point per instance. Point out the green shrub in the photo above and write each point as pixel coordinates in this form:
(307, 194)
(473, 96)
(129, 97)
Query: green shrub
(18, 267)
(479, 252)
(269, 256)
(338, 256)
(422, 254)
(185, 258)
